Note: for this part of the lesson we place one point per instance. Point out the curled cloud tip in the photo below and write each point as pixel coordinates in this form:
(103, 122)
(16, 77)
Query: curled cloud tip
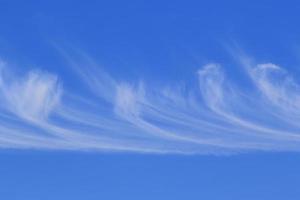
(211, 79)
(127, 100)
(32, 97)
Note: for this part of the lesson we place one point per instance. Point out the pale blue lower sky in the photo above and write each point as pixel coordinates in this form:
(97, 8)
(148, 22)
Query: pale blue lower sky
(44, 175)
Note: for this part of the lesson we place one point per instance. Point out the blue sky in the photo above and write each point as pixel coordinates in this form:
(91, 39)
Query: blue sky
(149, 100)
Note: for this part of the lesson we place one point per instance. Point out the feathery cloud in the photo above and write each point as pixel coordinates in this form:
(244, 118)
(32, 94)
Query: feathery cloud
(219, 117)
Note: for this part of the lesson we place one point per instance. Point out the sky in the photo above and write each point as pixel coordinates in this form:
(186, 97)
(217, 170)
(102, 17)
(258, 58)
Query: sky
(149, 100)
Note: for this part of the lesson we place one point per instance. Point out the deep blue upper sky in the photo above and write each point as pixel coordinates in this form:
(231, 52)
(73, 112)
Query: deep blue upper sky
(150, 36)
(166, 41)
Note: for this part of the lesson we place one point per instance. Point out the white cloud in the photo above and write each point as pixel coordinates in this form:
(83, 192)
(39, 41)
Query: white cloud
(127, 100)
(217, 118)
(31, 97)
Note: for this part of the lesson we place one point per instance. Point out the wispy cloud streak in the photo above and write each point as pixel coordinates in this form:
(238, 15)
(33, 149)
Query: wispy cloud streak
(220, 116)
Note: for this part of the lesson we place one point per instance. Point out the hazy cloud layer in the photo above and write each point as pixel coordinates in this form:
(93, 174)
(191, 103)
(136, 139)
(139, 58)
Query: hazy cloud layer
(220, 116)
